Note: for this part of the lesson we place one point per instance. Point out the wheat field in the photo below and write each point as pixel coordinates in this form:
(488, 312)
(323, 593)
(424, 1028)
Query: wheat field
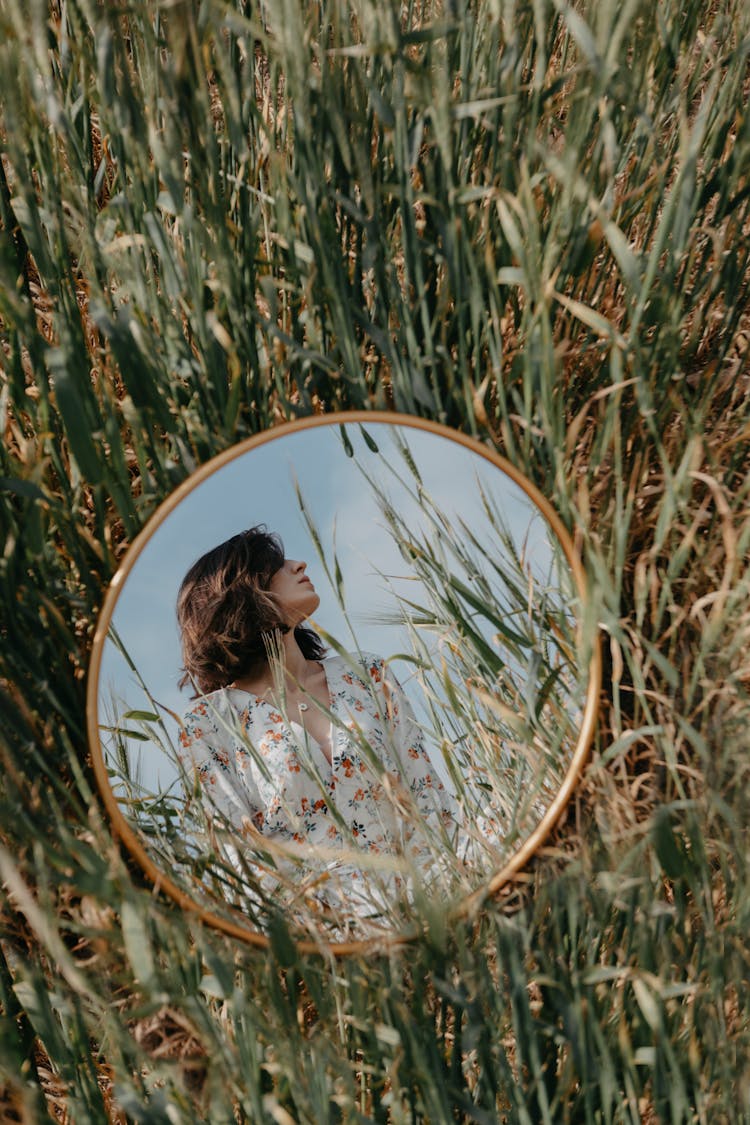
(528, 220)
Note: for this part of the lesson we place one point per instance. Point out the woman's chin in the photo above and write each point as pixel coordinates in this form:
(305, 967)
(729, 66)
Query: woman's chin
(300, 617)
(310, 608)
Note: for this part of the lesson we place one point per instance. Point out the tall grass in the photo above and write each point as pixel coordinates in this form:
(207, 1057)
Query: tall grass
(529, 220)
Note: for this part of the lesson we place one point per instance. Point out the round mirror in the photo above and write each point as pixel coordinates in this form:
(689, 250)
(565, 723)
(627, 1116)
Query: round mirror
(344, 681)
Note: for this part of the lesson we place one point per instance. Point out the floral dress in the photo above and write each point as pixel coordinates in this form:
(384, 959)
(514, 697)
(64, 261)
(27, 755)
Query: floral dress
(271, 782)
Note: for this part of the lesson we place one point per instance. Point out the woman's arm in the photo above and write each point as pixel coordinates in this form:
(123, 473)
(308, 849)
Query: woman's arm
(206, 754)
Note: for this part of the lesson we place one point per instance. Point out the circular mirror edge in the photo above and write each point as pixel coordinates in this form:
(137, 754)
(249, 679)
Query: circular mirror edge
(468, 906)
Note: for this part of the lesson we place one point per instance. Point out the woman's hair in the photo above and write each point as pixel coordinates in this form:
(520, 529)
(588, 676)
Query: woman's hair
(226, 614)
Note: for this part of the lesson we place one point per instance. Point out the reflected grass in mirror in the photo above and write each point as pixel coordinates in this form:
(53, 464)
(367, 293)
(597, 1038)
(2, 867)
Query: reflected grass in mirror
(493, 643)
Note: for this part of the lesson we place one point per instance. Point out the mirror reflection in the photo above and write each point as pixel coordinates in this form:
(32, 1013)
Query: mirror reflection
(342, 679)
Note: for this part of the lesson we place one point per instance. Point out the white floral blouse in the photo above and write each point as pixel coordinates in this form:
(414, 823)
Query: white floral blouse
(260, 770)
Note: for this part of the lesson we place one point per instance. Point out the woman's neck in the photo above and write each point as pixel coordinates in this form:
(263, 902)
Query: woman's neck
(296, 668)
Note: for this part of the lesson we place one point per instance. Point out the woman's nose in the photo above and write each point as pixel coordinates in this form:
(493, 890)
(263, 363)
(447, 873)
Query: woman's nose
(297, 565)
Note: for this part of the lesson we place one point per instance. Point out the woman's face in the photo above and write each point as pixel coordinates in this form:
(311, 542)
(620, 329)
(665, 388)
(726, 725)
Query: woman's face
(294, 592)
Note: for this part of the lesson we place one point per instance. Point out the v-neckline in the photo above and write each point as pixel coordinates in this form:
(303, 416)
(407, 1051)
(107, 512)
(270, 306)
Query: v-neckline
(292, 723)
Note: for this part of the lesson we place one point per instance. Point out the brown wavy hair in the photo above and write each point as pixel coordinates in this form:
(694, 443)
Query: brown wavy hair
(226, 614)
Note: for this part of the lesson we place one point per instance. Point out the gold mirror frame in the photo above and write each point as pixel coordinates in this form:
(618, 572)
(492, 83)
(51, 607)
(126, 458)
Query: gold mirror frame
(527, 848)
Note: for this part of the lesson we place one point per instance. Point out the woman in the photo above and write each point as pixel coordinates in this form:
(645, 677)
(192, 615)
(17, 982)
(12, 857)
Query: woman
(317, 754)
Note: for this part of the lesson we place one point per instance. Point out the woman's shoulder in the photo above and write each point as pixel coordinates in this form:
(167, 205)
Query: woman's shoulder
(212, 704)
(363, 664)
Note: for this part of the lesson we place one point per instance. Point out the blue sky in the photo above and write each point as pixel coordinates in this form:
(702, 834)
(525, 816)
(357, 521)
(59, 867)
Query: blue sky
(258, 487)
